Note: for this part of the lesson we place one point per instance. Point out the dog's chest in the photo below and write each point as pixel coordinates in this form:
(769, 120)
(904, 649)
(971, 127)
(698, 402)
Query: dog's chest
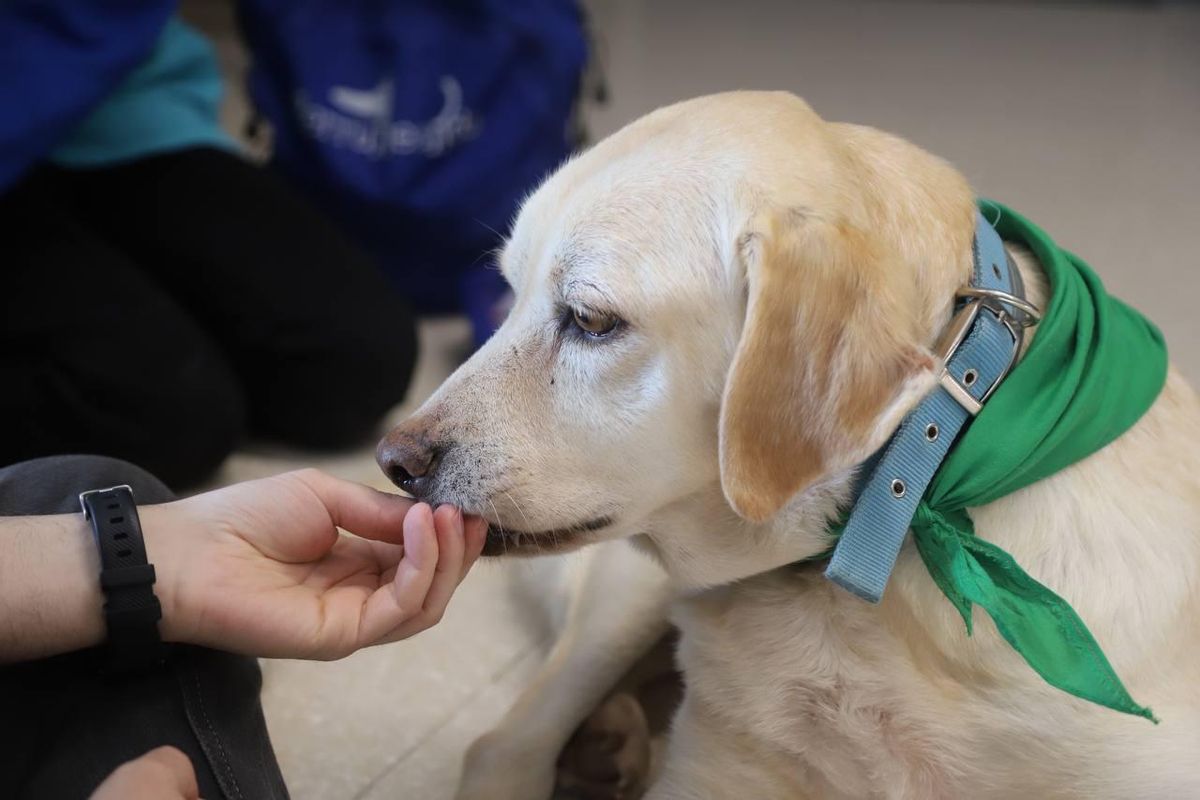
(788, 663)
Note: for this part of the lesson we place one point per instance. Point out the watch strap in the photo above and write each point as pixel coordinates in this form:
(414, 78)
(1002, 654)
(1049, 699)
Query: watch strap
(131, 609)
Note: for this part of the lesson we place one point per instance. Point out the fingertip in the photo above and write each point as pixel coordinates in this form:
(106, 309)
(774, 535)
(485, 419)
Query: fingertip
(451, 539)
(445, 516)
(420, 514)
(476, 536)
(178, 765)
(475, 526)
(419, 534)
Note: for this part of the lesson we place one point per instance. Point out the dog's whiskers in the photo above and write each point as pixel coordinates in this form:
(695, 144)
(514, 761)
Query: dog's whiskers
(524, 516)
(500, 525)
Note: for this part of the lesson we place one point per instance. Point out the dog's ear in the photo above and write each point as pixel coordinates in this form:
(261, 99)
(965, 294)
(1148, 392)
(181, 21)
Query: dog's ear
(829, 345)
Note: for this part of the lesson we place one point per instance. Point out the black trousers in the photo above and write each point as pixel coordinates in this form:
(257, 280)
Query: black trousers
(65, 726)
(159, 311)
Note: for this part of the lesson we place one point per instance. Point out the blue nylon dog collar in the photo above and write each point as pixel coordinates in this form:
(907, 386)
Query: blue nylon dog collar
(978, 349)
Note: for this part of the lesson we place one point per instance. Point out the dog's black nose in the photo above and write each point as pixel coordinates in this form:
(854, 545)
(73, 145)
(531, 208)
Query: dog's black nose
(409, 461)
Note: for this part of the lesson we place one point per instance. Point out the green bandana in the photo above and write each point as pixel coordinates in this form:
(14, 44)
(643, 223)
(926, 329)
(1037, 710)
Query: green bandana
(1094, 367)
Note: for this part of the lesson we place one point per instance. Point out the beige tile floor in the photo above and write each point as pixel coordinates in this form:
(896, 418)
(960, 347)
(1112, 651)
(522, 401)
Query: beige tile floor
(1086, 117)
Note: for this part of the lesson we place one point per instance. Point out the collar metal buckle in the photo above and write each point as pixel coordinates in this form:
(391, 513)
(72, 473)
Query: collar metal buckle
(1026, 313)
(1002, 306)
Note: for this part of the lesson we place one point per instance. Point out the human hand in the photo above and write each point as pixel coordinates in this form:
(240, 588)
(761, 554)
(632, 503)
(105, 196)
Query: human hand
(261, 568)
(164, 773)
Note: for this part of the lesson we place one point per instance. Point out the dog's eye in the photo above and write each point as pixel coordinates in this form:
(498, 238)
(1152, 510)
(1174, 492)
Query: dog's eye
(593, 324)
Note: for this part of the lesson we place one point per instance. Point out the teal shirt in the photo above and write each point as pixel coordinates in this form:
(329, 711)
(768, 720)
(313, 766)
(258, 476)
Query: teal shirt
(170, 102)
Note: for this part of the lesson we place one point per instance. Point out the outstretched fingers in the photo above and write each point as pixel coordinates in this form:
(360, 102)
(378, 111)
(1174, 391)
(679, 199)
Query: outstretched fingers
(440, 546)
(402, 599)
(452, 555)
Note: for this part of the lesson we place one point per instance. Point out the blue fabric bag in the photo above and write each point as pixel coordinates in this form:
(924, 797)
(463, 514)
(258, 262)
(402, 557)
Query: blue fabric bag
(420, 124)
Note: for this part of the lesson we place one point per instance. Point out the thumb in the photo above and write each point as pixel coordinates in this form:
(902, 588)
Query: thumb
(164, 773)
(363, 511)
(182, 776)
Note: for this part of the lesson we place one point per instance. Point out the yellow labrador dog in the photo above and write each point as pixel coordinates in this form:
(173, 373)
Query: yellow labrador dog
(720, 311)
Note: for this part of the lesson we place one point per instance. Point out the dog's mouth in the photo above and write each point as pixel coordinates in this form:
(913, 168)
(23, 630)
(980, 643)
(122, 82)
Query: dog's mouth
(504, 541)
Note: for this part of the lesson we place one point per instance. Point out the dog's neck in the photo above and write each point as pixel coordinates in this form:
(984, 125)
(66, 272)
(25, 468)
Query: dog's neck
(703, 543)
(717, 547)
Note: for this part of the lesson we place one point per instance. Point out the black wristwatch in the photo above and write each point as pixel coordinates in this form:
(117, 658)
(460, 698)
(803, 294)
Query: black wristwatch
(131, 610)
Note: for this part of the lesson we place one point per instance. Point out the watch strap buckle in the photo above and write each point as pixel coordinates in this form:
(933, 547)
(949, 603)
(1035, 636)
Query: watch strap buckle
(84, 496)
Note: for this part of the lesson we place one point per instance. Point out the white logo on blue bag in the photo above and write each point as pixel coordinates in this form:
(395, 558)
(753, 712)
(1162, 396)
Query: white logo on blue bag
(360, 120)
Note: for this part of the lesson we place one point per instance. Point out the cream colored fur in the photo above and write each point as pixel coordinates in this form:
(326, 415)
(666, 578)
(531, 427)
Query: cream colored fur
(701, 225)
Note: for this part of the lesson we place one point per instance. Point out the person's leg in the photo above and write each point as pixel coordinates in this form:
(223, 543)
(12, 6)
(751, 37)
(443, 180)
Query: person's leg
(96, 358)
(64, 726)
(319, 338)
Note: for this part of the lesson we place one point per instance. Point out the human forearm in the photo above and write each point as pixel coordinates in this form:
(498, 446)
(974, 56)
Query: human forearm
(50, 596)
(50, 600)
(257, 568)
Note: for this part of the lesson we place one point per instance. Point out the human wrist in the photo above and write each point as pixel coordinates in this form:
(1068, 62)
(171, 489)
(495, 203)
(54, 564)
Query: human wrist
(165, 532)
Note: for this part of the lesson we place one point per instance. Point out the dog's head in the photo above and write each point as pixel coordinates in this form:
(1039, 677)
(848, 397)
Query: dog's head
(720, 310)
